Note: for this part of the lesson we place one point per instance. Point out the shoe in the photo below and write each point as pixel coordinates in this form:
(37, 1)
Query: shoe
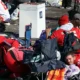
(7, 24)
(14, 18)
(69, 8)
(61, 7)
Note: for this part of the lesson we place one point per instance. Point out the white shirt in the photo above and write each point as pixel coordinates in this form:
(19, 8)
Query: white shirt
(4, 11)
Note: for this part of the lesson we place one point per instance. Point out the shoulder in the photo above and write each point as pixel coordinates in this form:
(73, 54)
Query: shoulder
(57, 31)
(75, 29)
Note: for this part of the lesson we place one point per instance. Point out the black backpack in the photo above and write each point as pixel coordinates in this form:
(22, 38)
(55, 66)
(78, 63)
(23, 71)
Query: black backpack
(71, 42)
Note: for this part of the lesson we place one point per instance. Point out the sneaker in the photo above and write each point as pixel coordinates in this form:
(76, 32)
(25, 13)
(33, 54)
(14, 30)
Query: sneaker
(7, 24)
(69, 8)
(14, 18)
(61, 7)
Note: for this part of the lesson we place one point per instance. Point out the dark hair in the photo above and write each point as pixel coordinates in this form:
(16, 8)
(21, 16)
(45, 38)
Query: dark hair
(70, 53)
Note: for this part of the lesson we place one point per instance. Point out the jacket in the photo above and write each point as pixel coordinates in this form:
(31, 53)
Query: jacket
(59, 34)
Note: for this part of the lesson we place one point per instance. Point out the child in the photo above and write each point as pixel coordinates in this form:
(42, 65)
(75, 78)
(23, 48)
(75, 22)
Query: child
(71, 69)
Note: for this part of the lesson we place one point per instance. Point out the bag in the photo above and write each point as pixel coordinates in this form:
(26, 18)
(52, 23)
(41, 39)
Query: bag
(27, 56)
(71, 42)
(13, 60)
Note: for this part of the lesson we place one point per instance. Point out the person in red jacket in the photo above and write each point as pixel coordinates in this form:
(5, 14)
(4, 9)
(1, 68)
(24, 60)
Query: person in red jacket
(65, 25)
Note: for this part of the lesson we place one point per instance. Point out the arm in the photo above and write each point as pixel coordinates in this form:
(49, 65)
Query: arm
(48, 32)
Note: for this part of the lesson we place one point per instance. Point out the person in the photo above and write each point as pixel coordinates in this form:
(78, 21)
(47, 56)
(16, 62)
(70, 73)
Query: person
(4, 14)
(66, 4)
(76, 20)
(77, 6)
(65, 25)
(49, 31)
(71, 68)
(14, 10)
(15, 14)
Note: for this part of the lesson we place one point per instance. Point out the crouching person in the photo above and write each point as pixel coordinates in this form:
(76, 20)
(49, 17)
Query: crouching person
(71, 68)
(4, 14)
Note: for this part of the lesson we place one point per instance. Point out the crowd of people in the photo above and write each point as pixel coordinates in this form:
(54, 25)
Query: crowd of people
(9, 10)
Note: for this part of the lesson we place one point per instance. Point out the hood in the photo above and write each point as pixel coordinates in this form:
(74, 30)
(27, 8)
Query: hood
(67, 27)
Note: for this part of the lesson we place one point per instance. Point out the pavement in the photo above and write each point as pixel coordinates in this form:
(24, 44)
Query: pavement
(52, 16)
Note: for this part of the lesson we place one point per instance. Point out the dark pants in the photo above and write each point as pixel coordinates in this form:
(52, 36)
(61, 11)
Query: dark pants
(66, 3)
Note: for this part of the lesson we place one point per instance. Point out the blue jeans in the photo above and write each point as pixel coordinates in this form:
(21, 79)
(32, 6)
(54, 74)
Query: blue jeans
(28, 43)
(28, 38)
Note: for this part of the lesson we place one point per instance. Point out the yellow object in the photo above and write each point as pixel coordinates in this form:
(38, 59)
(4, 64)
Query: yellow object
(60, 2)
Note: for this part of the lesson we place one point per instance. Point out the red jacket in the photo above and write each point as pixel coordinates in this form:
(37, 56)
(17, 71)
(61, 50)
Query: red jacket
(13, 42)
(77, 59)
(59, 34)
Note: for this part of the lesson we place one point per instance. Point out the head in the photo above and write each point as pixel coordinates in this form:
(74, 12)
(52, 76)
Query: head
(63, 20)
(76, 20)
(70, 57)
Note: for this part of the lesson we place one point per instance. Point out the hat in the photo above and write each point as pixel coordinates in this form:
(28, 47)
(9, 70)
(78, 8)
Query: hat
(77, 16)
(63, 20)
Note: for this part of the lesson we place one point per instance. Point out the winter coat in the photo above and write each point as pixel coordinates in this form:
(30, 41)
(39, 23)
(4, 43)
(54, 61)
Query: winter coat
(9, 41)
(59, 34)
